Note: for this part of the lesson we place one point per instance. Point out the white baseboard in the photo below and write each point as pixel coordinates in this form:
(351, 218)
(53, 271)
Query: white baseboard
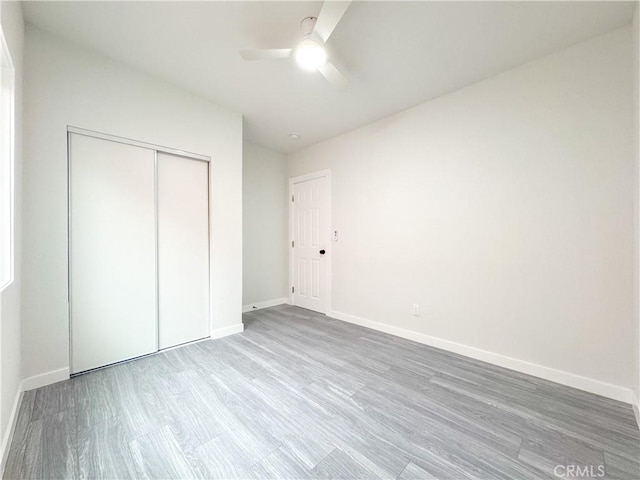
(559, 376)
(226, 331)
(44, 379)
(636, 409)
(11, 427)
(265, 304)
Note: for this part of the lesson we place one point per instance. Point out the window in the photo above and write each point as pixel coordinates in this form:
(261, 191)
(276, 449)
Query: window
(7, 137)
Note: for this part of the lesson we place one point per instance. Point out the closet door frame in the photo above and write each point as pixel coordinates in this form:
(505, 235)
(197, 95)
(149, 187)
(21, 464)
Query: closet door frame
(136, 143)
(155, 148)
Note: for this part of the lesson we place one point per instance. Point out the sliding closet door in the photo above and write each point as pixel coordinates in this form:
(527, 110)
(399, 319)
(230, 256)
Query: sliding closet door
(183, 249)
(112, 252)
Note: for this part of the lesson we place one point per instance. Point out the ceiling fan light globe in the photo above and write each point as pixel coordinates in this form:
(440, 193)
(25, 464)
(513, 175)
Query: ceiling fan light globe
(310, 55)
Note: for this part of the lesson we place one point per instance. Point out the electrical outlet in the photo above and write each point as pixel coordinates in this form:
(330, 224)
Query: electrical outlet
(416, 310)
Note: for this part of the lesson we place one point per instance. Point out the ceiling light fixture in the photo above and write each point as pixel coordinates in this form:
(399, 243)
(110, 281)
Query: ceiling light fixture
(310, 55)
(294, 136)
(310, 52)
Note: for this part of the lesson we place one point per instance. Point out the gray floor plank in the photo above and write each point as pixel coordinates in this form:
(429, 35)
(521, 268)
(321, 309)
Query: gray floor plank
(414, 472)
(51, 448)
(53, 399)
(547, 452)
(132, 399)
(191, 420)
(339, 465)
(621, 467)
(421, 415)
(222, 458)
(158, 455)
(15, 458)
(103, 451)
(93, 400)
(298, 395)
(281, 464)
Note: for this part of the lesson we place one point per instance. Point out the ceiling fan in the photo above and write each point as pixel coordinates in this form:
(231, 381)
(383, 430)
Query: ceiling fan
(310, 53)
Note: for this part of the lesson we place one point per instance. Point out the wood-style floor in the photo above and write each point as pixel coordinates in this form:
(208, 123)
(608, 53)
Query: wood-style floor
(298, 395)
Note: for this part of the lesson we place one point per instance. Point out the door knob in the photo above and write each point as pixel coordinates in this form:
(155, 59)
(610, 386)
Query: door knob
(322, 252)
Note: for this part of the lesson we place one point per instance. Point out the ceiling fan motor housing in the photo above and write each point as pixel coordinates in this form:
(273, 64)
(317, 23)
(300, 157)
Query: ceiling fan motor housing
(307, 25)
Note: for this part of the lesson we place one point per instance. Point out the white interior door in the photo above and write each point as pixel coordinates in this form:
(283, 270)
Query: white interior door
(310, 226)
(112, 252)
(183, 249)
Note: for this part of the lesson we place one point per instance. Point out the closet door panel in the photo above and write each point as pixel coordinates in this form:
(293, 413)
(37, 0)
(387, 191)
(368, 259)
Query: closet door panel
(183, 249)
(112, 252)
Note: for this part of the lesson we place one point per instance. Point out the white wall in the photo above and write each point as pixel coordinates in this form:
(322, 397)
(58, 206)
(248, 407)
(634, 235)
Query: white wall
(65, 85)
(10, 352)
(505, 209)
(635, 51)
(265, 217)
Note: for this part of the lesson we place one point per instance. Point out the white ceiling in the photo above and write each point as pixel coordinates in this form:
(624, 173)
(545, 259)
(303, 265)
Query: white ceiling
(396, 54)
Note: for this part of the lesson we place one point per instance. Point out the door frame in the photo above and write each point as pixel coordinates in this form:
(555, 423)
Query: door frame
(326, 173)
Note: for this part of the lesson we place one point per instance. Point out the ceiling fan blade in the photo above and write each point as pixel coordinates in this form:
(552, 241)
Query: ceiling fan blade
(265, 54)
(329, 16)
(334, 76)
